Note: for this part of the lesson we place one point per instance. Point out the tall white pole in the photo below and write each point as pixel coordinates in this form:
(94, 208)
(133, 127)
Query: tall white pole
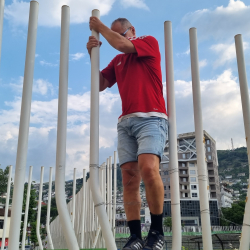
(173, 154)
(1, 24)
(67, 228)
(50, 243)
(108, 186)
(83, 207)
(201, 162)
(6, 208)
(115, 190)
(22, 147)
(27, 209)
(245, 239)
(74, 199)
(110, 191)
(94, 144)
(39, 211)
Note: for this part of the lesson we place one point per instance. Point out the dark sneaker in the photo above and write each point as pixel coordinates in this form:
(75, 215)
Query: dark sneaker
(154, 241)
(133, 243)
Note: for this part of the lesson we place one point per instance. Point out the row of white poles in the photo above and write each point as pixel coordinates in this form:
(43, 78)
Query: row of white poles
(87, 224)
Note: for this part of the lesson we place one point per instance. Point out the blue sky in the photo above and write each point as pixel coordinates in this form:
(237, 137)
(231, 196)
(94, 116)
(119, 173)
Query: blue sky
(216, 21)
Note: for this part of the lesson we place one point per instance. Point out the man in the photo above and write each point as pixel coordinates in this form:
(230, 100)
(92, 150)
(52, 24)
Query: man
(142, 127)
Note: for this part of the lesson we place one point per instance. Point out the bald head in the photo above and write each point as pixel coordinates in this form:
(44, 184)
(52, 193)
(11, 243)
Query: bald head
(123, 21)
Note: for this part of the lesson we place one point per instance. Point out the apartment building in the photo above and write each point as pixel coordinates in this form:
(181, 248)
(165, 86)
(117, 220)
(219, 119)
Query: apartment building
(188, 179)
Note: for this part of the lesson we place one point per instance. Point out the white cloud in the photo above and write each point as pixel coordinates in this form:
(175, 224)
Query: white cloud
(42, 87)
(203, 63)
(50, 11)
(43, 124)
(77, 56)
(226, 53)
(220, 23)
(221, 109)
(135, 3)
(44, 63)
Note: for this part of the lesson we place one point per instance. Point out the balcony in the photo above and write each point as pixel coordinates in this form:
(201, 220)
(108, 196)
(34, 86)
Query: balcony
(185, 190)
(183, 175)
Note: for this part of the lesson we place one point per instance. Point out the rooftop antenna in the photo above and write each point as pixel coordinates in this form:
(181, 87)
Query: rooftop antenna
(232, 144)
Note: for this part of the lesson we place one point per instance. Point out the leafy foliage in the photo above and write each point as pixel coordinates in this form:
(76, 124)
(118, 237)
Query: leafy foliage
(234, 215)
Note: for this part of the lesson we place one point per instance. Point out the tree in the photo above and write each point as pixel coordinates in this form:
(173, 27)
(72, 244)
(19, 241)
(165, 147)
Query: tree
(233, 215)
(167, 222)
(4, 175)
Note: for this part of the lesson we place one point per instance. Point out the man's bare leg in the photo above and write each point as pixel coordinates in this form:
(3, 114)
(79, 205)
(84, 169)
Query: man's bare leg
(131, 179)
(149, 169)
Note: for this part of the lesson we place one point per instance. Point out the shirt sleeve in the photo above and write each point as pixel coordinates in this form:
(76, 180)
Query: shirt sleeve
(146, 46)
(109, 73)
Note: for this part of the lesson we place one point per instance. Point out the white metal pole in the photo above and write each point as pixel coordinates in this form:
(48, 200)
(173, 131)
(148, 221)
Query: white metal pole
(115, 190)
(22, 147)
(104, 194)
(245, 239)
(201, 162)
(74, 200)
(98, 227)
(110, 191)
(27, 209)
(173, 154)
(94, 144)
(50, 243)
(6, 208)
(83, 207)
(39, 211)
(67, 228)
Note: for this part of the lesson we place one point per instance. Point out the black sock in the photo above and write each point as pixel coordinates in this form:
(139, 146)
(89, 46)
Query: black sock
(135, 228)
(156, 222)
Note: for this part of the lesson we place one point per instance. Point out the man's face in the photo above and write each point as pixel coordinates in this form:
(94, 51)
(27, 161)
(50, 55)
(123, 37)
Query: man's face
(117, 27)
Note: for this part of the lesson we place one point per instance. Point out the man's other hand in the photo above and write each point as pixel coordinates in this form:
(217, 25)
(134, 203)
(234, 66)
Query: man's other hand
(95, 24)
(93, 42)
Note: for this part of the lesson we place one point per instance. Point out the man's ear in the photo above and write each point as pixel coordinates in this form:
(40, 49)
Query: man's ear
(133, 30)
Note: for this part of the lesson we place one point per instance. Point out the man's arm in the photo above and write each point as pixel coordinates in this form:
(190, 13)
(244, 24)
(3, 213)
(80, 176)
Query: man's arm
(114, 39)
(104, 83)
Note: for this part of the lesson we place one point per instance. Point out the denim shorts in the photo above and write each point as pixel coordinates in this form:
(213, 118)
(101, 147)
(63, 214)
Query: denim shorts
(141, 135)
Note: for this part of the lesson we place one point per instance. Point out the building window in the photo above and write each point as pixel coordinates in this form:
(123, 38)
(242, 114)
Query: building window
(209, 157)
(184, 179)
(183, 164)
(164, 165)
(165, 188)
(192, 172)
(169, 196)
(193, 179)
(208, 142)
(163, 179)
(194, 195)
(186, 194)
(191, 165)
(1, 224)
(194, 187)
(165, 195)
(208, 149)
(166, 172)
(184, 172)
(168, 179)
(184, 156)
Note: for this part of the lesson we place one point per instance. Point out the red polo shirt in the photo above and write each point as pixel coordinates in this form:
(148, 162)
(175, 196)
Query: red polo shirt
(138, 76)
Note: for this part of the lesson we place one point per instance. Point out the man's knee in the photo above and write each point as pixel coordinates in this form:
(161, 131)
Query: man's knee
(149, 168)
(130, 180)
